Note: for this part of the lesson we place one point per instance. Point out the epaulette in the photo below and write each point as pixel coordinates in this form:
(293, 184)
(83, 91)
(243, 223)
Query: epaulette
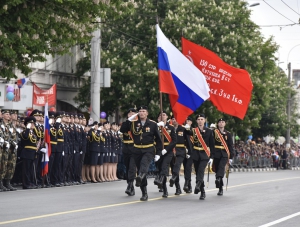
(153, 121)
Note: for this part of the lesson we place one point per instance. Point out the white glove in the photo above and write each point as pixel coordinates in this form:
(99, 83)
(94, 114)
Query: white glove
(119, 132)
(164, 151)
(63, 153)
(1, 140)
(11, 130)
(187, 156)
(7, 145)
(43, 150)
(18, 130)
(210, 161)
(2, 126)
(74, 151)
(98, 154)
(114, 154)
(187, 126)
(58, 120)
(133, 117)
(156, 158)
(16, 147)
(81, 152)
(161, 123)
(50, 121)
(90, 121)
(28, 125)
(93, 127)
(230, 161)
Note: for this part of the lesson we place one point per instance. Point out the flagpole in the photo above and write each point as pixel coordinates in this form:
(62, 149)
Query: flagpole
(160, 100)
(161, 112)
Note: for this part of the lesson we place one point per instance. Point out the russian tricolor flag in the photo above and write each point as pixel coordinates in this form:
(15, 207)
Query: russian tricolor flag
(180, 78)
(21, 82)
(47, 154)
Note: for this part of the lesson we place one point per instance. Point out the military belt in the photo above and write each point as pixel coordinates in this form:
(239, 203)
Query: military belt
(198, 148)
(166, 144)
(31, 147)
(53, 142)
(127, 141)
(143, 146)
(220, 147)
(60, 140)
(180, 145)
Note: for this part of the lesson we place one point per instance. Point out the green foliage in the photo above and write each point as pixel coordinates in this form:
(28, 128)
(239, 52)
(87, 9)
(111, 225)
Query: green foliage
(129, 49)
(30, 29)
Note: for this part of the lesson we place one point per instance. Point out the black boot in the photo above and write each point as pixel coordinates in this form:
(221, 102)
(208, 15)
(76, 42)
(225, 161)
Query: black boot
(8, 185)
(197, 187)
(186, 186)
(139, 178)
(172, 180)
(190, 190)
(220, 191)
(160, 181)
(2, 188)
(178, 190)
(202, 195)
(218, 182)
(156, 179)
(132, 193)
(165, 189)
(129, 186)
(144, 193)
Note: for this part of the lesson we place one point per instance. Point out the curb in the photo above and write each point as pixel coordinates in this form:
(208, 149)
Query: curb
(259, 169)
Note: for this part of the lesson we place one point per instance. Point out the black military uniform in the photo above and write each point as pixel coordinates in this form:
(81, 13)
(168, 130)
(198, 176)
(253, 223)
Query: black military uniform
(53, 143)
(128, 156)
(56, 174)
(94, 138)
(203, 150)
(181, 150)
(221, 156)
(39, 132)
(29, 140)
(170, 140)
(82, 148)
(144, 135)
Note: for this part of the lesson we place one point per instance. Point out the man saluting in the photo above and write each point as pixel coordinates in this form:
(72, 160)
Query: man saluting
(145, 133)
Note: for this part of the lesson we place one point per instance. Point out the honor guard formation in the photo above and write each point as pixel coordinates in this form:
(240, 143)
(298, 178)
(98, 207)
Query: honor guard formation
(90, 152)
(80, 152)
(171, 145)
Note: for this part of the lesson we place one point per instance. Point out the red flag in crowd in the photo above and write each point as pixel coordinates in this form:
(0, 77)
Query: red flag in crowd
(230, 88)
(40, 96)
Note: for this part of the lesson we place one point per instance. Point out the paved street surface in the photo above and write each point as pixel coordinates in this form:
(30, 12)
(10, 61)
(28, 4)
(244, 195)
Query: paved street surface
(252, 199)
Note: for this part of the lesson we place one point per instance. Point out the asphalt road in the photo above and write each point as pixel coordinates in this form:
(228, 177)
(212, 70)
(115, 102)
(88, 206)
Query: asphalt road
(252, 199)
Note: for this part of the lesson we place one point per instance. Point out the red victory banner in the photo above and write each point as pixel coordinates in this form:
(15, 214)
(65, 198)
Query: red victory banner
(230, 88)
(41, 97)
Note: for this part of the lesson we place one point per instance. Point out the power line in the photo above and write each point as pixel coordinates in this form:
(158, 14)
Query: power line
(277, 11)
(290, 7)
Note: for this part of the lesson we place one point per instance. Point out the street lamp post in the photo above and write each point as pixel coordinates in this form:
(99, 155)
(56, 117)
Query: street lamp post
(288, 132)
(254, 4)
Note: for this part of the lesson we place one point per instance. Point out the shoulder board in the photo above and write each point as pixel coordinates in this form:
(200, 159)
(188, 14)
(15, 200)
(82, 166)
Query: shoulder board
(152, 121)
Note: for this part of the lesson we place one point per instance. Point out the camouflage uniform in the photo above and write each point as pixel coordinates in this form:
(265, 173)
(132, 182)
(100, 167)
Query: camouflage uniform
(9, 154)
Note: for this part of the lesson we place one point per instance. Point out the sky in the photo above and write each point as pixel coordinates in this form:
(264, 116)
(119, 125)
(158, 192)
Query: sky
(275, 18)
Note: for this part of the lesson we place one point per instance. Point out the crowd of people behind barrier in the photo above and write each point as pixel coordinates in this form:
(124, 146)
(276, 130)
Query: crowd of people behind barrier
(265, 155)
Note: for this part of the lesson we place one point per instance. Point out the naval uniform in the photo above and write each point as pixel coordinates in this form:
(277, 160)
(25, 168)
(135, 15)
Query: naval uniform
(220, 156)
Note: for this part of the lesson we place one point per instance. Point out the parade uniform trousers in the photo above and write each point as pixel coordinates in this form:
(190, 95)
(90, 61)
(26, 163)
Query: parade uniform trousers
(129, 161)
(143, 155)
